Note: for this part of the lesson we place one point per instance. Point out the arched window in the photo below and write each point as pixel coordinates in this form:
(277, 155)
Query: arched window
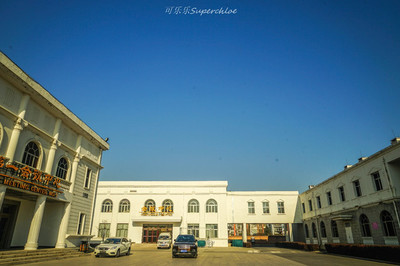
(31, 154)
(107, 206)
(365, 228)
(168, 205)
(150, 205)
(124, 205)
(193, 206)
(314, 230)
(388, 225)
(306, 230)
(323, 230)
(334, 229)
(62, 168)
(211, 206)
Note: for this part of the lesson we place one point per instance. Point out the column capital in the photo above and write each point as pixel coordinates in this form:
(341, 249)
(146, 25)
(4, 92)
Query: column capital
(20, 124)
(56, 143)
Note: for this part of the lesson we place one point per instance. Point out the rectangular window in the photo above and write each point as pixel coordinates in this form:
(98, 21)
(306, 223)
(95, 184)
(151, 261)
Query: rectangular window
(122, 230)
(235, 229)
(193, 229)
(310, 204)
(319, 205)
(251, 208)
(81, 224)
(357, 188)
(212, 230)
(341, 193)
(265, 207)
(304, 207)
(104, 230)
(281, 207)
(329, 197)
(377, 181)
(87, 178)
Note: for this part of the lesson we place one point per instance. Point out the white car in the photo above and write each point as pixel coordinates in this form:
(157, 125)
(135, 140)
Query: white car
(113, 246)
(164, 240)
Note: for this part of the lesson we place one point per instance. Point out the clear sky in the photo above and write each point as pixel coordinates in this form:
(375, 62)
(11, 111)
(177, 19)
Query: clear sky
(278, 96)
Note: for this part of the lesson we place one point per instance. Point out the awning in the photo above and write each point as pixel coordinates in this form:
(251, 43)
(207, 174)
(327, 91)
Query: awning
(157, 219)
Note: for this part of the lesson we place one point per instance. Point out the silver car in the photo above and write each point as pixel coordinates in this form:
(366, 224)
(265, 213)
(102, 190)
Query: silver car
(113, 246)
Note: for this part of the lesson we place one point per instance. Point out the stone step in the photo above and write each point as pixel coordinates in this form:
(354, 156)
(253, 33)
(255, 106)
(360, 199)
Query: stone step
(24, 254)
(39, 258)
(46, 250)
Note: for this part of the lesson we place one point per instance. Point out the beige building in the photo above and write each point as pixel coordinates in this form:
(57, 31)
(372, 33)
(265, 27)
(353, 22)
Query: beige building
(49, 166)
(359, 205)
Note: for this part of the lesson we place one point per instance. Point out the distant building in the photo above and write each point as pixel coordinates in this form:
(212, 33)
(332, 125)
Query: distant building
(141, 210)
(49, 166)
(359, 205)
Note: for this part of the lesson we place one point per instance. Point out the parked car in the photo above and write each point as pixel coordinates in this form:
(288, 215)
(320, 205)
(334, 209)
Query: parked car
(164, 240)
(185, 245)
(113, 246)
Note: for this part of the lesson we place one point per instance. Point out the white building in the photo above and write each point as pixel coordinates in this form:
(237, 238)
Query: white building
(141, 210)
(49, 166)
(358, 205)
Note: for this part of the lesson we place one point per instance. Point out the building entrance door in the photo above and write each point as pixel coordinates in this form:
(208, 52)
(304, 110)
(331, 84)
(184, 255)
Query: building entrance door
(8, 216)
(151, 231)
(349, 233)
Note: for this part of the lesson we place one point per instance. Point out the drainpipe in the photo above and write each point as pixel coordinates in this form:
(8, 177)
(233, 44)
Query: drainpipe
(391, 189)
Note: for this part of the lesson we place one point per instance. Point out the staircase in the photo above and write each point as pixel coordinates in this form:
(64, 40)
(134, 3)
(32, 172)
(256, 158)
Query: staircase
(12, 257)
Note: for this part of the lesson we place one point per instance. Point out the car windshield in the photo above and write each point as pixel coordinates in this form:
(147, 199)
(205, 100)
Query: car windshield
(185, 238)
(163, 237)
(112, 241)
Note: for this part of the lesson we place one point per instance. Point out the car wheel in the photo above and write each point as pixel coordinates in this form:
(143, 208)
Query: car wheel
(97, 256)
(117, 255)
(128, 252)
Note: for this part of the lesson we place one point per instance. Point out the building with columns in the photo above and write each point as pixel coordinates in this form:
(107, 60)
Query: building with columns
(141, 210)
(49, 166)
(360, 204)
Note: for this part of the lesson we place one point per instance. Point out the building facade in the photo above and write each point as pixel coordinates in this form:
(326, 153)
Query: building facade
(141, 210)
(358, 205)
(49, 166)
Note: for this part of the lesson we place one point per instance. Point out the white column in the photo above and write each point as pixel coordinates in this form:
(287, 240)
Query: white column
(63, 226)
(34, 230)
(2, 195)
(50, 160)
(12, 145)
(74, 170)
(244, 233)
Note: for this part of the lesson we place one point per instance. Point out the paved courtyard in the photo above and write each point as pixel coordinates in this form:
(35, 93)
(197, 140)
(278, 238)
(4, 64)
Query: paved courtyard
(149, 255)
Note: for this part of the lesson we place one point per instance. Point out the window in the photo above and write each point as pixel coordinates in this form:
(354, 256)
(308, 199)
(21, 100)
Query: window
(319, 202)
(281, 207)
(265, 207)
(124, 205)
(212, 230)
(341, 193)
(314, 230)
(150, 205)
(388, 225)
(104, 230)
(193, 206)
(168, 206)
(235, 229)
(122, 230)
(329, 197)
(81, 224)
(211, 206)
(365, 228)
(107, 206)
(31, 155)
(88, 177)
(306, 230)
(310, 204)
(323, 230)
(193, 229)
(304, 207)
(250, 207)
(377, 181)
(334, 229)
(357, 188)
(62, 168)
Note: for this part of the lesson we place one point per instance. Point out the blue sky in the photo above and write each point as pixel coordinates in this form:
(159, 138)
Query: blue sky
(278, 96)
